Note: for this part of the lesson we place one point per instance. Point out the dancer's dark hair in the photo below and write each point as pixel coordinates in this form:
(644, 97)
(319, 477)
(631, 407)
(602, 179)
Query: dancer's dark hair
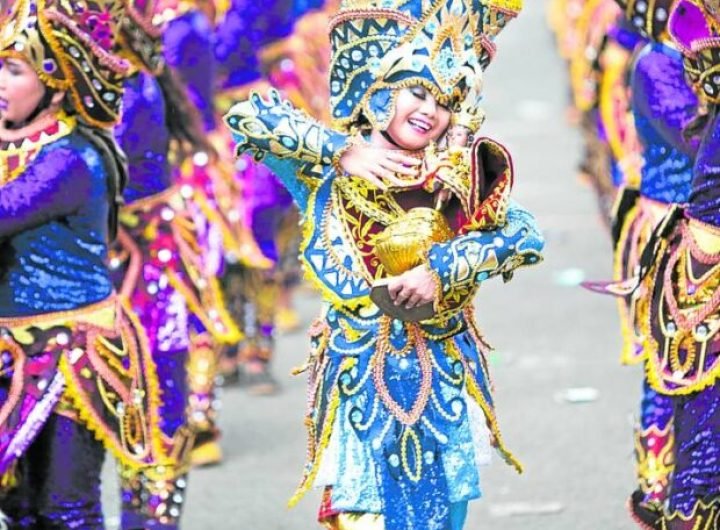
(116, 168)
(182, 119)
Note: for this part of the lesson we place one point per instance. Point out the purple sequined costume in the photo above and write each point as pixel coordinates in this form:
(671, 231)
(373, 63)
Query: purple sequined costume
(76, 353)
(187, 49)
(245, 41)
(684, 346)
(76, 375)
(684, 302)
(663, 105)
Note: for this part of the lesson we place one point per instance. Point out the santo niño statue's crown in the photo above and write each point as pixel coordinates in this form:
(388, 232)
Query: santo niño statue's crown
(71, 44)
(470, 115)
(382, 45)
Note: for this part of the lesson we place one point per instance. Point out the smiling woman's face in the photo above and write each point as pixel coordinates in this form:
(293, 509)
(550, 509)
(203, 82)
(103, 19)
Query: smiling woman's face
(418, 120)
(20, 90)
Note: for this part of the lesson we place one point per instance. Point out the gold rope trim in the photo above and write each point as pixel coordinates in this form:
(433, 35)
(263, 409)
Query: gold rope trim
(627, 354)
(476, 394)
(46, 320)
(232, 333)
(309, 478)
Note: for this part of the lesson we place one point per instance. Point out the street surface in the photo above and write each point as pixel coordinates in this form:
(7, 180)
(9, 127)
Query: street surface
(550, 336)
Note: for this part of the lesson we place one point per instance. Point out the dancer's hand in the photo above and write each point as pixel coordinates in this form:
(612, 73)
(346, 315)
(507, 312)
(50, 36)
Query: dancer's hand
(413, 288)
(380, 166)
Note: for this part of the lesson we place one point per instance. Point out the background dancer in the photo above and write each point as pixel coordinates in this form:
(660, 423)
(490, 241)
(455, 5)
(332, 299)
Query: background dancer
(159, 127)
(257, 45)
(663, 105)
(77, 377)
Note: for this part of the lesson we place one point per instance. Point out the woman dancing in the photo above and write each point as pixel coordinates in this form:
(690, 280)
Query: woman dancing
(395, 393)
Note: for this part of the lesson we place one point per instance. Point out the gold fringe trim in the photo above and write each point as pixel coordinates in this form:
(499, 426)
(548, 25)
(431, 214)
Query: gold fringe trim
(711, 510)
(168, 196)
(507, 5)
(476, 394)
(250, 257)
(91, 314)
(658, 383)
(152, 382)
(320, 447)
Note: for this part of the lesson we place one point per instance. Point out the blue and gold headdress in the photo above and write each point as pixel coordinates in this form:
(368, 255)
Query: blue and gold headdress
(379, 46)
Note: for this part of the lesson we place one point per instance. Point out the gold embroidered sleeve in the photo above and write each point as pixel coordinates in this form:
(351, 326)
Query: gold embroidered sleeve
(272, 126)
(461, 264)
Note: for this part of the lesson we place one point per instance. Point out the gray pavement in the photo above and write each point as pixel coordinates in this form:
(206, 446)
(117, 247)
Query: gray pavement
(549, 336)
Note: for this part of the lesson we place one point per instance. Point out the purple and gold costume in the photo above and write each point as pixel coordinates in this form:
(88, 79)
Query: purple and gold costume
(187, 49)
(240, 35)
(684, 298)
(77, 377)
(662, 105)
(276, 44)
(683, 344)
(208, 193)
(675, 306)
(161, 265)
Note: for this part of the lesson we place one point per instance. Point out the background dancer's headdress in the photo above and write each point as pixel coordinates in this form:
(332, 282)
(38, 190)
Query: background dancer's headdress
(697, 33)
(648, 17)
(70, 44)
(140, 38)
(382, 45)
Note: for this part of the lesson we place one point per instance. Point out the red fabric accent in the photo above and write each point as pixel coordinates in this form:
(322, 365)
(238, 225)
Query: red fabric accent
(326, 510)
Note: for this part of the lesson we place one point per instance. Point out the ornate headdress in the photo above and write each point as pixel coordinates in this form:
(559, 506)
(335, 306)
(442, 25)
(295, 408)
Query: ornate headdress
(382, 45)
(697, 34)
(648, 17)
(70, 44)
(140, 38)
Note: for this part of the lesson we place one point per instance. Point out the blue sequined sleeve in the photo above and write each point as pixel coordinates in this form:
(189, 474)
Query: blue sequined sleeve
(57, 187)
(144, 137)
(461, 264)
